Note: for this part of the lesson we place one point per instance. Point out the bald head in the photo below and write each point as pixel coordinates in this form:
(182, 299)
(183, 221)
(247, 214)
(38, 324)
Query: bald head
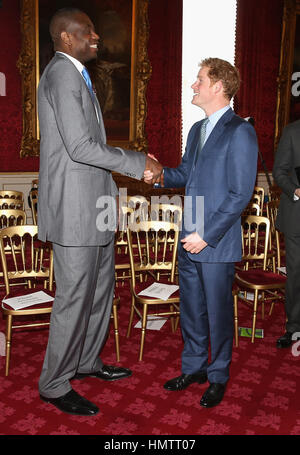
(62, 21)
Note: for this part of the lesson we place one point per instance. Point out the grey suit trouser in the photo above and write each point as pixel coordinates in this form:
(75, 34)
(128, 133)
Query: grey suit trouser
(84, 278)
(292, 288)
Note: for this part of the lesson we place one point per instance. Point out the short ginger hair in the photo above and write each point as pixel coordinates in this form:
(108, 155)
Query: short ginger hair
(221, 70)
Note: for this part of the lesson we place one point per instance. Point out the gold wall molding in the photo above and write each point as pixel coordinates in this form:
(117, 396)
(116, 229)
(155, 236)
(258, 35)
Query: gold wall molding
(290, 12)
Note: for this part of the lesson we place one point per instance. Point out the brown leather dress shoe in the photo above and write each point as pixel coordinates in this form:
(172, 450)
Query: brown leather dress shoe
(213, 395)
(73, 403)
(107, 373)
(183, 381)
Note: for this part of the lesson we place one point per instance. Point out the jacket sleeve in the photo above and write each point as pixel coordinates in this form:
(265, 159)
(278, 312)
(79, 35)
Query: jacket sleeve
(283, 163)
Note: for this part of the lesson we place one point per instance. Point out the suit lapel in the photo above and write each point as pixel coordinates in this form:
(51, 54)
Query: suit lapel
(216, 132)
(95, 102)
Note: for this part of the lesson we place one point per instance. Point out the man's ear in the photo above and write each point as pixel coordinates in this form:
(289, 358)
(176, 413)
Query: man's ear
(65, 38)
(218, 87)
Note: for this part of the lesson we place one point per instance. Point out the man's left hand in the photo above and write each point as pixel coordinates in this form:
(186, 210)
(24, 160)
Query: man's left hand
(193, 243)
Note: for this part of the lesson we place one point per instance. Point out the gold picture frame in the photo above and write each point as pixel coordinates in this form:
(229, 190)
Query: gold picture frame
(28, 64)
(289, 52)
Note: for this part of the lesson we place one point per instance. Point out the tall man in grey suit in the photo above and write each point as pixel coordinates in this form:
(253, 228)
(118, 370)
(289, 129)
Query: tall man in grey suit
(287, 160)
(75, 186)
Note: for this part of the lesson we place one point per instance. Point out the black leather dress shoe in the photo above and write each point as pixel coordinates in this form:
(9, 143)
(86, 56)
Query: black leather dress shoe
(213, 395)
(108, 373)
(183, 381)
(73, 403)
(286, 340)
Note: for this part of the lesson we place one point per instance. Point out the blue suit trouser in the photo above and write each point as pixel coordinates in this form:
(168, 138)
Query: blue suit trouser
(206, 316)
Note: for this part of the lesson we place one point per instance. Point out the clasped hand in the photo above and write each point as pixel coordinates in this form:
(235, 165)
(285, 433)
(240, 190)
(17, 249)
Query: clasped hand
(193, 243)
(153, 170)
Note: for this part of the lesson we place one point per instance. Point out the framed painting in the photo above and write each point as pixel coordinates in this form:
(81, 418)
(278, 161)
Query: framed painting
(288, 95)
(120, 74)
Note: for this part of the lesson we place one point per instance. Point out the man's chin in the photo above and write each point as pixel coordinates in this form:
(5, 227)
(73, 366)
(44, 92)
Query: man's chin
(195, 103)
(89, 58)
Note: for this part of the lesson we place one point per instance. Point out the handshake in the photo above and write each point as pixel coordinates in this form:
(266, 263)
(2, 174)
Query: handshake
(153, 172)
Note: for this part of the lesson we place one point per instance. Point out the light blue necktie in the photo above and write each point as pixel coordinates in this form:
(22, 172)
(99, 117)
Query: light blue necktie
(202, 136)
(88, 81)
(203, 133)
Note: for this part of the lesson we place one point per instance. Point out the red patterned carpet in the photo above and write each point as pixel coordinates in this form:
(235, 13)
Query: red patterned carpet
(262, 397)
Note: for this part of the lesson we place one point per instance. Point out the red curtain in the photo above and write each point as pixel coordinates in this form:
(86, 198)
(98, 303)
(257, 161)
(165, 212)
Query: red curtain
(258, 38)
(163, 124)
(11, 103)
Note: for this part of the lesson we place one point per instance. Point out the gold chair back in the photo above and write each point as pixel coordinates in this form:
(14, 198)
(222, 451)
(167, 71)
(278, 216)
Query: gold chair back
(274, 193)
(27, 261)
(252, 209)
(11, 203)
(259, 191)
(12, 217)
(11, 194)
(255, 239)
(148, 248)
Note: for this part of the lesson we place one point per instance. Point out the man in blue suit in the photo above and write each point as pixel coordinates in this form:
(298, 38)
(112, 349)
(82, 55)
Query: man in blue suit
(219, 165)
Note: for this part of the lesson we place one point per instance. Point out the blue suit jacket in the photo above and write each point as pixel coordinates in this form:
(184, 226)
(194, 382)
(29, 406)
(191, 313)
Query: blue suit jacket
(224, 174)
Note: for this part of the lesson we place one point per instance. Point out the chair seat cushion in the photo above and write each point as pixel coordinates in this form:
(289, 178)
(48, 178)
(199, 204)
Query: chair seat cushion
(261, 277)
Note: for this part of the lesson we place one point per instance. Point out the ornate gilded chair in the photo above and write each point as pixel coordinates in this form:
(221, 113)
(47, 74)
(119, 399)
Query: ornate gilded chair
(266, 285)
(148, 244)
(27, 271)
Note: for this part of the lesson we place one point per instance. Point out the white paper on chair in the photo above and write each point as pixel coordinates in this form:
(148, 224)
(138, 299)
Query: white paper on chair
(153, 323)
(282, 270)
(249, 295)
(160, 290)
(24, 301)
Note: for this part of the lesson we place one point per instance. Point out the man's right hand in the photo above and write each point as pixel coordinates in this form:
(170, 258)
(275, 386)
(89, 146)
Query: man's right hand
(297, 192)
(153, 170)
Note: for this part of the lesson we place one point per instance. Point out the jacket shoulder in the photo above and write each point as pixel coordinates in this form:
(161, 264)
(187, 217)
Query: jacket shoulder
(237, 120)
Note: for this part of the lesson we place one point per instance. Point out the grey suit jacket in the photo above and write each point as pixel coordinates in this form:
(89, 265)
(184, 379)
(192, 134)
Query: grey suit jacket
(286, 160)
(76, 188)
